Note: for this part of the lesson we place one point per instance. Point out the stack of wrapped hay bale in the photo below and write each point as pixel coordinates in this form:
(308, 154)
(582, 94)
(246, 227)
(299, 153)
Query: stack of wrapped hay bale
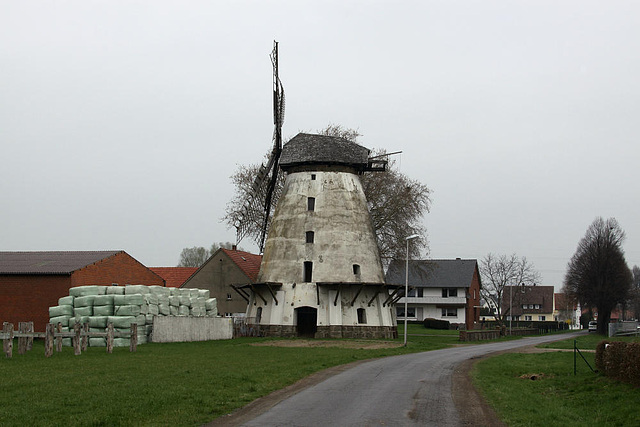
(124, 305)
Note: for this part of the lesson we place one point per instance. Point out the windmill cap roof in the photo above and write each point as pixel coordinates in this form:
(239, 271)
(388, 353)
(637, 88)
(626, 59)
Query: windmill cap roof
(305, 148)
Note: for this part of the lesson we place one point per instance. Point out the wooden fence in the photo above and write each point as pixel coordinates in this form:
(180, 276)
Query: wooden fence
(54, 334)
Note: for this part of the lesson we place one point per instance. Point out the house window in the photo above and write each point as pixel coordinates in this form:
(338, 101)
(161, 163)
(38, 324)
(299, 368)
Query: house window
(411, 311)
(531, 306)
(356, 270)
(311, 203)
(313, 177)
(420, 292)
(412, 292)
(524, 306)
(449, 292)
(542, 318)
(449, 312)
(228, 297)
(309, 236)
(308, 267)
(362, 315)
(537, 306)
(527, 318)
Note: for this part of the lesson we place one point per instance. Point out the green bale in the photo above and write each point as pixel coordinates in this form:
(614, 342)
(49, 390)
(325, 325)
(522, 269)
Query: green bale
(149, 318)
(115, 290)
(210, 304)
(204, 293)
(86, 301)
(68, 300)
(164, 309)
(103, 310)
(60, 319)
(126, 310)
(83, 311)
(136, 289)
(174, 301)
(183, 310)
(163, 299)
(97, 342)
(97, 330)
(174, 311)
(103, 300)
(98, 322)
(81, 291)
(185, 300)
(121, 342)
(141, 320)
(128, 299)
(66, 342)
(122, 321)
(153, 309)
(151, 299)
(60, 310)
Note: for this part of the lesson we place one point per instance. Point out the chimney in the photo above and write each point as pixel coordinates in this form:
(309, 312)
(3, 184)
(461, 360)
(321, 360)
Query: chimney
(234, 248)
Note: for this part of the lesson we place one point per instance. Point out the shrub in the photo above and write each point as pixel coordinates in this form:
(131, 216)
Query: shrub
(619, 360)
(436, 323)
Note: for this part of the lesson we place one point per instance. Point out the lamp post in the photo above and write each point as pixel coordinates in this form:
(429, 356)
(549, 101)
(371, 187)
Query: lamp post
(406, 286)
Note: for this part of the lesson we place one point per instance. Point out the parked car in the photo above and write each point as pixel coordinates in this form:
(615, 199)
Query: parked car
(593, 325)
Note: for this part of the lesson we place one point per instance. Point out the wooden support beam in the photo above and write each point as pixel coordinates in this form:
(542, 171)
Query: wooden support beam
(241, 292)
(356, 296)
(255, 291)
(335, 301)
(390, 297)
(317, 295)
(272, 293)
(375, 294)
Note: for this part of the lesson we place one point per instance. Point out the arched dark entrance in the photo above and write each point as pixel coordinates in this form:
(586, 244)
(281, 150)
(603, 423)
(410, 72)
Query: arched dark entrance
(307, 321)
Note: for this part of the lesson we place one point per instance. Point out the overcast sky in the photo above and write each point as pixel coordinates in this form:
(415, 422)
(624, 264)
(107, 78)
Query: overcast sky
(121, 122)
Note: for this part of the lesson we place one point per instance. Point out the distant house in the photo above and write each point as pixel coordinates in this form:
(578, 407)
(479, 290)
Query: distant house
(227, 267)
(174, 276)
(447, 289)
(31, 282)
(565, 309)
(528, 303)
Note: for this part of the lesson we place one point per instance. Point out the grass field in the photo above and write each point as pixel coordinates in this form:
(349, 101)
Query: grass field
(556, 397)
(181, 384)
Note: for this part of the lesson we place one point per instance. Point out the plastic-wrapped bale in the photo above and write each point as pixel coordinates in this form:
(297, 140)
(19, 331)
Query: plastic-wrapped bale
(60, 319)
(149, 318)
(173, 310)
(151, 298)
(148, 329)
(66, 342)
(184, 292)
(97, 342)
(98, 322)
(204, 293)
(141, 320)
(83, 311)
(174, 301)
(194, 293)
(211, 305)
(103, 310)
(68, 300)
(60, 310)
(78, 319)
(163, 299)
(164, 310)
(185, 300)
(126, 310)
(121, 342)
(128, 299)
(154, 310)
(183, 310)
(103, 300)
(196, 312)
(115, 290)
(81, 291)
(122, 322)
(160, 291)
(86, 301)
(136, 289)
(97, 330)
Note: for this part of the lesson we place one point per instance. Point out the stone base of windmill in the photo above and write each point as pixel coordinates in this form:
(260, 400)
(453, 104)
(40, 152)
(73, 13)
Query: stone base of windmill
(338, 331)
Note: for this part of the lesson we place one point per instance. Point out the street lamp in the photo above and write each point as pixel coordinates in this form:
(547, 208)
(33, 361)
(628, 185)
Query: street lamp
(406, 286)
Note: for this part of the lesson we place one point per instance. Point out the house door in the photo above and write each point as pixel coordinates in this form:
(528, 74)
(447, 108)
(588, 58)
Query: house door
(307, 321)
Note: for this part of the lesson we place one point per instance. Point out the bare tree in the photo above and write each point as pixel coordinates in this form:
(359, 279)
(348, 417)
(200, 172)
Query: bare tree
(597, 274)
(500, 273)
(222, 245)
(193, 257)
(397, 203)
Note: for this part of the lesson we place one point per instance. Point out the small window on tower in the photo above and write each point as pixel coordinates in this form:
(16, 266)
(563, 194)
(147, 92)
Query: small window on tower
(309, 236)
(311, 203)
(356, 269)
(308, 268)
(313, 177)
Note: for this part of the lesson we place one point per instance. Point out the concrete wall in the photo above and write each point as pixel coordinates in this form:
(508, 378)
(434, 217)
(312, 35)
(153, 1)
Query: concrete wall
(184, 329)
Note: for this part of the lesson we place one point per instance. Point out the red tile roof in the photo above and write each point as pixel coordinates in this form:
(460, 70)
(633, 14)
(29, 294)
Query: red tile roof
(174, 276)
(249, 263)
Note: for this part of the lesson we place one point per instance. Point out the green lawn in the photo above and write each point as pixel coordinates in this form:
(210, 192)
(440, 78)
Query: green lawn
(182, 384)
(556, 397)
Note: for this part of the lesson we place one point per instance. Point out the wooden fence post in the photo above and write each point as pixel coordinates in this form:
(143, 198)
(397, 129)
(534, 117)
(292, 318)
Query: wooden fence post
(110, 338)
(85, 337)
(133, 341)
(48, 340)
(59, 338)
(76, 339)
(30, 339)
(22, 341)
(7, 344)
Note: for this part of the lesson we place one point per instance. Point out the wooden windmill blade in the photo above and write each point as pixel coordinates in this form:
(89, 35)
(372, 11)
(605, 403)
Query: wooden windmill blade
(258, 205)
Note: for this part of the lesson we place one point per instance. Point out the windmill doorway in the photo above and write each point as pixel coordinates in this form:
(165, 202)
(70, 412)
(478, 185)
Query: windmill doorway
(307, 321)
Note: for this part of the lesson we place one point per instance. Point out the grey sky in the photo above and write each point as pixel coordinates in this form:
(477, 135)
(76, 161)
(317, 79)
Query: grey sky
(121, 122)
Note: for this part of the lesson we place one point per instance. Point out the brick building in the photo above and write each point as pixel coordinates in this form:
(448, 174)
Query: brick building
(31, 282)
(174, 277)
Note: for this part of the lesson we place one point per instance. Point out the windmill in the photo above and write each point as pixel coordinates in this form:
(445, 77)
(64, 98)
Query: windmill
(264, 184)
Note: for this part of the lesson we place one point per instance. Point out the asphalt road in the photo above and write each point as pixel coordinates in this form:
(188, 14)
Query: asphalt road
(408, 390)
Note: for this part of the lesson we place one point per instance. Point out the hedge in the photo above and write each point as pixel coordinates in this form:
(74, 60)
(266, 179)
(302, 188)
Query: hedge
(619, 360)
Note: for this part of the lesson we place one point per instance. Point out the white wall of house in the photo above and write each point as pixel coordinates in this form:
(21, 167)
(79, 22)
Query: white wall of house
(426, 306)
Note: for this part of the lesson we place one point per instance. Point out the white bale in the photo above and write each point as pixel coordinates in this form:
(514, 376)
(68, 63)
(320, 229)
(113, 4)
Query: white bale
(174, 301)
(126, 310)
(86, 301)
(153, 309)
(60, 310)
(98, 322)
(68, 300)
(103, 300)
(151, 298)
(103, 310)
(194, 293)
(211, 304)
(204, 293)
(129, 299)
(115, 290)
(122, 322)
(183, 310)
(136, 289)
(83, 311)
(164, 310)
(60, 319)
(81, 291)
(173, 310)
